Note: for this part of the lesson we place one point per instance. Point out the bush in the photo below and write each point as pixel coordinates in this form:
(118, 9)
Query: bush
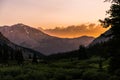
(36, 75)
(91, 75)
(114, 78)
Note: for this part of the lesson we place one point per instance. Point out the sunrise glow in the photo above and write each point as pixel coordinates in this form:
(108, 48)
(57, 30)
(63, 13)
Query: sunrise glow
(49, 14)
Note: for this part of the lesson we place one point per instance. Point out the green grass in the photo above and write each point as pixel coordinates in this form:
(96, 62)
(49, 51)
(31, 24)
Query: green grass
(56, 70)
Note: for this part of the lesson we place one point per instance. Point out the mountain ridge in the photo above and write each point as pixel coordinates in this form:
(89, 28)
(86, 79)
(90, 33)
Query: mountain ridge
(104, 37)
(25, 51)
(37, 40)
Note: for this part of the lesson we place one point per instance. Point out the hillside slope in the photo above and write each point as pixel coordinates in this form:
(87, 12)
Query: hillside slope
(29, 37)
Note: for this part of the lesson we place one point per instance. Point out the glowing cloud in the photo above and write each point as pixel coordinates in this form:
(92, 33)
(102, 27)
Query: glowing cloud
(51, 13)
(77, 31)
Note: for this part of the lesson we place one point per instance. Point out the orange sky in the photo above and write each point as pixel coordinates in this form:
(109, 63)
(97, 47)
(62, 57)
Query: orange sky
(52, 13)
(73, 31)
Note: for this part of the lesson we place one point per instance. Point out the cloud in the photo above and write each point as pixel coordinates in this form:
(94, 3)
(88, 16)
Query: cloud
(77, 31)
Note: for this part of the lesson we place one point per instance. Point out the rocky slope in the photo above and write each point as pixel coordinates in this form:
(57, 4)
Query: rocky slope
(4, 42)
(103, 37)
(29, 37)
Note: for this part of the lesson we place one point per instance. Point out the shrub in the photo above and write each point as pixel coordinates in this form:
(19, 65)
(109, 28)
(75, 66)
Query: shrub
(91, 75)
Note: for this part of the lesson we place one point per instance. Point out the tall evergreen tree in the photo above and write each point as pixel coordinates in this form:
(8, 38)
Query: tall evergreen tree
(1, 54)
(114, 21)
(34, 60)
(5, 54)
(19, 57)
(82, 52)
(12, 55)
(30, 57)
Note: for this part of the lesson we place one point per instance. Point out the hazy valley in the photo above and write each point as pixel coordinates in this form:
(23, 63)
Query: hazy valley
(37, 40)
(61, 41)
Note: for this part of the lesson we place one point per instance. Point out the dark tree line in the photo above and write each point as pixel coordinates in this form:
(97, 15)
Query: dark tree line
(114, 21)
(7, 54)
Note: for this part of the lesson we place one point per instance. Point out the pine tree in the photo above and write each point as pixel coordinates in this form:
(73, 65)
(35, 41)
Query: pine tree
(82, 52)
(34, 60)
(19, 57)
(114, 21)
(12, 55)
(5, 55)
(30, 57)
(1, 54)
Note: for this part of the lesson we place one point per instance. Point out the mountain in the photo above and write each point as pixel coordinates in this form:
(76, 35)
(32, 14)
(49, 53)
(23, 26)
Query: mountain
(5, 43)
(35, 39)
(102, 38)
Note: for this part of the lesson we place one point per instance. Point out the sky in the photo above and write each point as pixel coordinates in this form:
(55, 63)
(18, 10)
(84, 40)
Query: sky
(73, 31)
(49, 14)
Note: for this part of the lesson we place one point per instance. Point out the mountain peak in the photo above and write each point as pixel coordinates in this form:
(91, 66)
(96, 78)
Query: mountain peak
(20, 25)
(37, 40)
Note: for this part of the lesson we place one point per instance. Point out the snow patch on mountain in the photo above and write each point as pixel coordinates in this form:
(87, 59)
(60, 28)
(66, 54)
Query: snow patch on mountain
(29, 37)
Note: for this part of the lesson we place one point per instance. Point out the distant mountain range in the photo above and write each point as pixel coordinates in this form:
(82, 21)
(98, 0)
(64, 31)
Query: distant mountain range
(32, 38)
(4, 42)
(102, 38)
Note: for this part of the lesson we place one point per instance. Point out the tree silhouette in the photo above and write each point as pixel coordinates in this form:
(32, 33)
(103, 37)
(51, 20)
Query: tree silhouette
(114, 21)
(12, 55)
(1, 54)
(34, 60)
(113, 1)
(30, 57)
(82, 52)
(19, 57)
